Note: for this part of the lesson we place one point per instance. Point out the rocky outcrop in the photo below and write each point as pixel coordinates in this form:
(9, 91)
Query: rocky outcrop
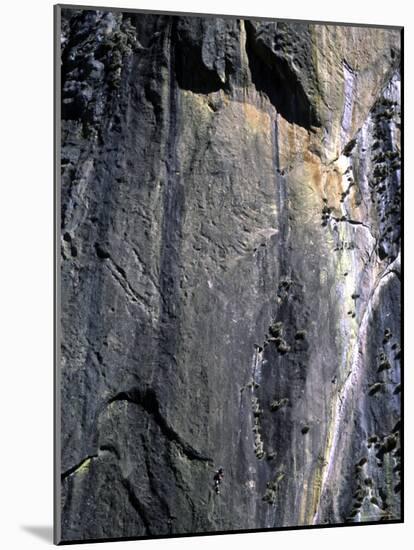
(230, 274)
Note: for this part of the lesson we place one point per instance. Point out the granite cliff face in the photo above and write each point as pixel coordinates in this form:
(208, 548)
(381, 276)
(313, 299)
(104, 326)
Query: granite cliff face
(230, 274)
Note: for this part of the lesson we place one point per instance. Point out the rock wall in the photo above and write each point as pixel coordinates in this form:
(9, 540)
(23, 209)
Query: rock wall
(230, 274)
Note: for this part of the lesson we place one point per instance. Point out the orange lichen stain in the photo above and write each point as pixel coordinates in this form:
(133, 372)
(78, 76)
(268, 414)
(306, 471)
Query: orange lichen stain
(257, 121)
(292, 141)
(333, 188)
(306, 182)
(315, 172)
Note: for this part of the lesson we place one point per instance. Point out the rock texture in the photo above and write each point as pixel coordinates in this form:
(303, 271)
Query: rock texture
(230, 274)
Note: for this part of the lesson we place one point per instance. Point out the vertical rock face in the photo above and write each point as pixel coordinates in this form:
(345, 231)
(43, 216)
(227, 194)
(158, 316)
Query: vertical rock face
(230, 274)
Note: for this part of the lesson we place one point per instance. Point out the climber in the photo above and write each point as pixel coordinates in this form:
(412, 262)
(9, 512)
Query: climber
(218, 478)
